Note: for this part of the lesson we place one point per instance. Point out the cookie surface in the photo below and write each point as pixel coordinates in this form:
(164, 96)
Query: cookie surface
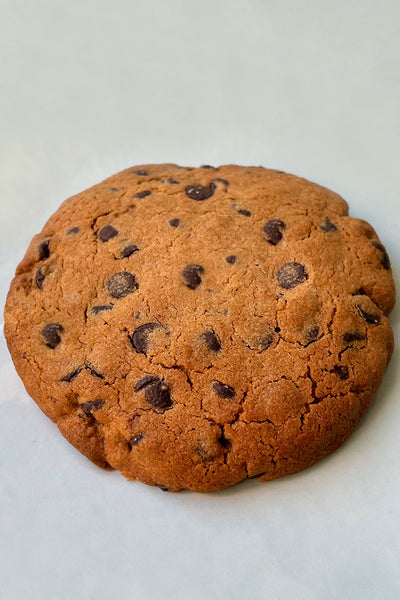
(196, 327)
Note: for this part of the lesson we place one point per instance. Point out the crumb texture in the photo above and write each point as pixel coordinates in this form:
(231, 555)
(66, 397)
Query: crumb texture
(194, 327)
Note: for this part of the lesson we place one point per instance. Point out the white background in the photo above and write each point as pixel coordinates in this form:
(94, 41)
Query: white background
(90, 87)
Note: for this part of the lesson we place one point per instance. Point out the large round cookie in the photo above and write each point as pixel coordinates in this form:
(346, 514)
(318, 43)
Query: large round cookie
(197, 327)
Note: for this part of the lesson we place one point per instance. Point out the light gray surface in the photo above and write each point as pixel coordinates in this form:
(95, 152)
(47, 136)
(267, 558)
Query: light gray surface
(91, 87)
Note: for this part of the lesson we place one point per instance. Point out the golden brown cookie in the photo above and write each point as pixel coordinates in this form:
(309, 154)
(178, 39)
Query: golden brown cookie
(196, 327)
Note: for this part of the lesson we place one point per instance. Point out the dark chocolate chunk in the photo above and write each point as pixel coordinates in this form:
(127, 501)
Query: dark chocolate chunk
(291, 275)
(328, 226)
(207, 167)
(129, 250)
(385, 261)
(140, 337)
(135, 440)
(191, 276)
(211, 340)
(224, 181)
(44, 250)
(265, 342)
(223, 390)
(257, 475)
(341, 371)
(162, 487)
(371, 318)
(51, 334)
(200, 192)
(312, 334)
(231, 259)
(145, 381)
(156, 391)
(98, 309)
(353, 336)
(140, 172)
(244, 212)
(107, 233)
(121, 284)
(174, 222)
(39, 278)
(87, 407)
(273, 231)
(73, 230)
(93, 371)
(143, 194)
(201, 450)
(158, 396)
(70, 376)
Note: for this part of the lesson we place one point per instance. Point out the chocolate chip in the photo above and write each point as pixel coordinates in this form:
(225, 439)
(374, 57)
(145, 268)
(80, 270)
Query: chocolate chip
(121, 284)
(341, 371)
(291, 275)
(143, 194)
(191, 276)
(157, 395)
(174, 222)
(263, 472)
(93, 372)
(98, 309)
(129, 250)
(265, 342)
(87, 407)
(201, 450)
(231, 259)
(51, 334)
(140, 337)
(353, 336)
(73, 230)
(207, 167)
(211, 340)
(224, 181)
(135, 440)
(44, 250)
(312, 334)
(70, 376)
(272, 231)
(162, 487)
(107, 233)
(200, 192)
(371, 318)
(39, 278)
(140, 172)
(385, 261)
(113, 189)
(170, 180)
(223, 390)
(328, 226)
(145, 381)
(244, 212)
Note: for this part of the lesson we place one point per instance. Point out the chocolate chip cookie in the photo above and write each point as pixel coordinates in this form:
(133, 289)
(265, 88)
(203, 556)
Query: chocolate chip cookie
(195, 327)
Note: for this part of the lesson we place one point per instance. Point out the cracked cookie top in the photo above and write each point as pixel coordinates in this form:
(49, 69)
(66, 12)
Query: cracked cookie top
(194, 327)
